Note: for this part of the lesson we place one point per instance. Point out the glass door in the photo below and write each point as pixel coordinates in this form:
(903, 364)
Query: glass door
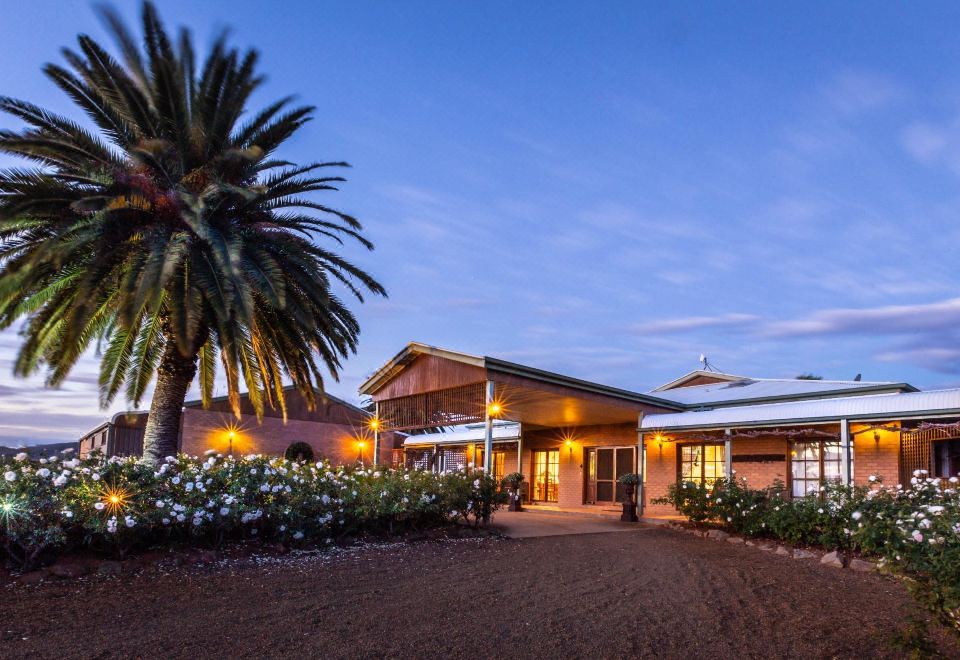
(546, 475)
(604, 466)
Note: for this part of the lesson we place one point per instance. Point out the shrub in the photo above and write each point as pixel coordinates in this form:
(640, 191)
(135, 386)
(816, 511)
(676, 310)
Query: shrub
(119, 505)
(299, 451)
(631, 479)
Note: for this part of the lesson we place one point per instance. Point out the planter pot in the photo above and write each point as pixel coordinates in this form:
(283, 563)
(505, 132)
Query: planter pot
(515, 503)
(629, 506)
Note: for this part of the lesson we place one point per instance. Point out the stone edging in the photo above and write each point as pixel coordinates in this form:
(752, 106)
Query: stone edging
(835, 559)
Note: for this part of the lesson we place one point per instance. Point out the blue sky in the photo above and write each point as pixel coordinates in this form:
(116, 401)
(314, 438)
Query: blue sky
(606, 189)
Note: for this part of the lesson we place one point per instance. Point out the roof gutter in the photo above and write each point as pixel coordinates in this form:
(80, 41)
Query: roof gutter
(799, 421)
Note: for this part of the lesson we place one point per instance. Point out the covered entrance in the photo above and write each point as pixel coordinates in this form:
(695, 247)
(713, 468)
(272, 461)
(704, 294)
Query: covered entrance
(604, 466)
(432, 395)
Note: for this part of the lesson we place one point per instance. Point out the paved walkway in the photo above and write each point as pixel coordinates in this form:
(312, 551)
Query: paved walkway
(529, 524)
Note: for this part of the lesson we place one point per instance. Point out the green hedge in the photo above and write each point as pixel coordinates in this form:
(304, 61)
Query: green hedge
(113, 506)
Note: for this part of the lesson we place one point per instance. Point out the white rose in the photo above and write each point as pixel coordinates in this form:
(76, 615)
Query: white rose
(10, 475)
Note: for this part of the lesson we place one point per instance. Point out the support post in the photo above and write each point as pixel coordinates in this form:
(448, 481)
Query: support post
(846, 451)
(520, 451)
(640, 454)
(488, 435)
(376, 434)
(728, 454)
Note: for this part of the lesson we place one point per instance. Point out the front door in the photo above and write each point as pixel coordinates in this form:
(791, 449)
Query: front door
(546, 475)
(604, 466)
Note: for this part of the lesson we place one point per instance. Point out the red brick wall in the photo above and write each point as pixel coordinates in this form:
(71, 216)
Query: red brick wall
(661, 472)
(203, 430)
(761, 475)
(877, 457)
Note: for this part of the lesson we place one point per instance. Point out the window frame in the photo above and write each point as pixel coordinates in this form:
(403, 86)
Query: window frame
(821, 479)
(702, 479)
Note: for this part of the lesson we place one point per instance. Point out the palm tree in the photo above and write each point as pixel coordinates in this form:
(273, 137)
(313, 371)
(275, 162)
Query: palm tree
(172, 236)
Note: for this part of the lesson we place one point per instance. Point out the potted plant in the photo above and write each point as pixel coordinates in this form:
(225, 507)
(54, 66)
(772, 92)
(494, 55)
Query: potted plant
(629, 483)
(514, 482)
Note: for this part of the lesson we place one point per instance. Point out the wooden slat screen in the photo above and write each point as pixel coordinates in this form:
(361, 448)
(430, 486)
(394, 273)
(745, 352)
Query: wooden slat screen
(915, 451)
(449, 407)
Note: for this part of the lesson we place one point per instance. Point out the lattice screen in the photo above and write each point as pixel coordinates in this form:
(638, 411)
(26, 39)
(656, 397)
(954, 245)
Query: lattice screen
(915, 451)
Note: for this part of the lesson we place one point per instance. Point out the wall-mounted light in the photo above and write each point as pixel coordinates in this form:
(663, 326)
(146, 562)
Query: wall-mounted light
(374, 424)
(569, 443)
(230, 435)
(495, 408)
(876, 437)
(659, 439)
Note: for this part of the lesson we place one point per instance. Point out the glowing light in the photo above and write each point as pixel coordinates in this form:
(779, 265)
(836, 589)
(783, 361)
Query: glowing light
(361, 444)
(115, 498)
(495, 408)
(232, 434)
(568, 442)
(374, 424)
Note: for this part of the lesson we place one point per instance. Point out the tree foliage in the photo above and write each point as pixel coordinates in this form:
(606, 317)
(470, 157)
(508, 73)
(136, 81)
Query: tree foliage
(172, 227)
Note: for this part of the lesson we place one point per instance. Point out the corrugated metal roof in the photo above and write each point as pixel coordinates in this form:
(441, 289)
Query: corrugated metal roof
(473, 433)
(932, 402)
(747, 389)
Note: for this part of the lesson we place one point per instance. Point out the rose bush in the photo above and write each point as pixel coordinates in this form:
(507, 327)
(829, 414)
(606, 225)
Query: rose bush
(62, 503)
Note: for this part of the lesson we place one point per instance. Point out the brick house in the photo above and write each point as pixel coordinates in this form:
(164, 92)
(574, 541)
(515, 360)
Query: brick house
(571, 438)
(336, 429)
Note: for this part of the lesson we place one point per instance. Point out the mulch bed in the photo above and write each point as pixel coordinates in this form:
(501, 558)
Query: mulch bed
(654, 592)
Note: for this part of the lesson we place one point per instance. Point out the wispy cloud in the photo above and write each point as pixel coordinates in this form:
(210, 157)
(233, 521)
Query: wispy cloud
(686, 324)
(891, 319)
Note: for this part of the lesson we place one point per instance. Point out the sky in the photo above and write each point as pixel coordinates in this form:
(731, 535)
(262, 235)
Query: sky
(604, 189)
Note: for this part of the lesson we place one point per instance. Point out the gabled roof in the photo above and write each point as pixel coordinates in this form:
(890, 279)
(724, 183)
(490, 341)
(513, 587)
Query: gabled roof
(878, 407)
(740, 391)
(493, 366)
(694, 375)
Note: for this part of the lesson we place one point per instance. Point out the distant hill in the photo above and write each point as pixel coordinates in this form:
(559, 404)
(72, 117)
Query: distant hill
(39, 450)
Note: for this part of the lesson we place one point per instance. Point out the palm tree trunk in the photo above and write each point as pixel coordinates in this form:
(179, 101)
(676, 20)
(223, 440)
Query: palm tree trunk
(174, 376)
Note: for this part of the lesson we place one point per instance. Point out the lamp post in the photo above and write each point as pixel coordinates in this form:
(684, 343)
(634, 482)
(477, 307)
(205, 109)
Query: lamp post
(360, 444)
(230, 436)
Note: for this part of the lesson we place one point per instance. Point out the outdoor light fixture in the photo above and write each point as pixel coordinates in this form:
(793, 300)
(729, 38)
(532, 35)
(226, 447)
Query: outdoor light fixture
(876, 437)
(659, 439)
(230, 437)
(495, 408)
(360, 446)
(569, 444)
(374, 424)
(115, 498)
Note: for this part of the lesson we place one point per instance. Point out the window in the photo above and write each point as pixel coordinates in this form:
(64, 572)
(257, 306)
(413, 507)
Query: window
(946, 458)
(812, 464)
(701, 464)
(499, 462)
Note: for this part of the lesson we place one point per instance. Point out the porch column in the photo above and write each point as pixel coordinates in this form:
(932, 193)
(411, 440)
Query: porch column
(488, 436)
(376, 433)
(640, 464)
(728, 454)
(846, 449)
(520, 452)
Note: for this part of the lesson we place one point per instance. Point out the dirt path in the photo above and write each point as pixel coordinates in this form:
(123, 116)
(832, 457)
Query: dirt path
(649, 593)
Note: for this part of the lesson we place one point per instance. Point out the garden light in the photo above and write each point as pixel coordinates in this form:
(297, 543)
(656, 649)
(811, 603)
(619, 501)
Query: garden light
(115, 498)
